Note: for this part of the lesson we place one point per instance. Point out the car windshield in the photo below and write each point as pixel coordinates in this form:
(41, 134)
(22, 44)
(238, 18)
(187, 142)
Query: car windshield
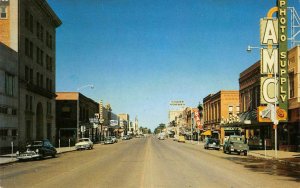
(237, 139)
(35, 143)
(83, 140)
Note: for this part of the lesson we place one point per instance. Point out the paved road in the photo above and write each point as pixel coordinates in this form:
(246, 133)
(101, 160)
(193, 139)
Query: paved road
(148, 162)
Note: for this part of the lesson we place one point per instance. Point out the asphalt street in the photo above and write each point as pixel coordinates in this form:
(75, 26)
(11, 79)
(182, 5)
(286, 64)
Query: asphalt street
(149, 162)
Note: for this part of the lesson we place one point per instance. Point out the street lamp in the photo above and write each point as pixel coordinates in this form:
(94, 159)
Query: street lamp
(78, 106)
(273, 110)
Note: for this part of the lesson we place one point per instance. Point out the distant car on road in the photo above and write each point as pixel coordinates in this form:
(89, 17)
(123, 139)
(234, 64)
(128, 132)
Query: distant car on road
(37, 150)
(115, 140)
(125, 137)
(109, 140)
(84, 143)
(161, 137)
(181, 139)
(236, 144)
(212, 143)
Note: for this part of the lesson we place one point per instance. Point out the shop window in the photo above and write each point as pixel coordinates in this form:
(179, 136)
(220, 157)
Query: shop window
(3, 12)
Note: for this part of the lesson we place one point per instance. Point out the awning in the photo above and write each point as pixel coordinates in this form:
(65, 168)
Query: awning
(206, 133)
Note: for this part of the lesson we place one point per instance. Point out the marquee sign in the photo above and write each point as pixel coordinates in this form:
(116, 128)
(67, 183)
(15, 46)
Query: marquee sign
(273, 38)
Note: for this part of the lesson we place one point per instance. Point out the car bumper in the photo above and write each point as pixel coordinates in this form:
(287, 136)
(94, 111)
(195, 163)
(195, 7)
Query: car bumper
(28, 156)
(238, 150)
(82, 147)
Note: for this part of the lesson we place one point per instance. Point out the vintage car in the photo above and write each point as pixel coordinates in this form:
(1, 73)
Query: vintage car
(236, 144)
(109, 140)
(126, 137)
(37, 150)
(181, 139)
(212, 143)
(115, 140)
(84, 143)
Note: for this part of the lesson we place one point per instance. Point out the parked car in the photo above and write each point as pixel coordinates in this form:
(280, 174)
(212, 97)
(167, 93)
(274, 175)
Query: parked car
(84, 143)
(181, 139)
(125, 137)
(161, 137)
(212, 143)
(37, 150)
(109, 140)
(236, 144)
(115, 140)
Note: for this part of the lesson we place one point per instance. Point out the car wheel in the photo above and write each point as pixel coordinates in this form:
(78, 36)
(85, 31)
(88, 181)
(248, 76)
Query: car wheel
(238, 153)
(245, 153)
(54, 155)
(224, 151)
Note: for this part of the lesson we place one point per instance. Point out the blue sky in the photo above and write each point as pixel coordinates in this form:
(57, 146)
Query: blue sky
(141, 54)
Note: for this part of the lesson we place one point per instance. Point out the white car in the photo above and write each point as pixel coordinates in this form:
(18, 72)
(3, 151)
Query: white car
(84, 143)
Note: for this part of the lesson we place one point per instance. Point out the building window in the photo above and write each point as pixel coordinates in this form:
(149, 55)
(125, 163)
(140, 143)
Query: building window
(26, 73)
(9, 84)
(31, 76)
(291, 85)
(28, 103)
(37, 78)
(49, 108)
(3, 132)
(3, 12)
(28, 130)
(31, 23)
(14, 132)
(3, 110)
(237, 109)
(41, 80)
(49, 63)
(28, 21)
(27, 47)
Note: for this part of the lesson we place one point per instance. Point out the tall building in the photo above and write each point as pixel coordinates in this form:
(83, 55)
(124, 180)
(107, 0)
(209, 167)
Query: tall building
(29, 28)
(9, 97)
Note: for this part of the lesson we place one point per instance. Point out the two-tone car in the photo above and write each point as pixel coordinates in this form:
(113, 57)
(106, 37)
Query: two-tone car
(236, 144)
(38, 149)
(84, 143)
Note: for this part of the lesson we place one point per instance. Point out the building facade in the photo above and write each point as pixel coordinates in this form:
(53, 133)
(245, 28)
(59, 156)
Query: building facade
(219, 107)
(124, 120)
(29, 28)
(261, 134)
(9, 97)
(73, 113)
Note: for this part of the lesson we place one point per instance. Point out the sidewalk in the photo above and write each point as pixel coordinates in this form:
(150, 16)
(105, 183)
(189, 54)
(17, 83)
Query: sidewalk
(10, 158)
(282, 156)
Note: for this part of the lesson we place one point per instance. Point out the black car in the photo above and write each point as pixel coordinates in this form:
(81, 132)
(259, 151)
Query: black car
(37, 150)
(212, 143)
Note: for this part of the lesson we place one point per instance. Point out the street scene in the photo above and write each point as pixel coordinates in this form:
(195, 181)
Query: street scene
(143, 93)
(150, 162)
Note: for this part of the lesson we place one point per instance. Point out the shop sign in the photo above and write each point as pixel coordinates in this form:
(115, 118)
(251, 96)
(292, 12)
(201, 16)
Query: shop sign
(273, 38)
(267, 90)
(113, 122)
(265, 114)
(283, 66)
